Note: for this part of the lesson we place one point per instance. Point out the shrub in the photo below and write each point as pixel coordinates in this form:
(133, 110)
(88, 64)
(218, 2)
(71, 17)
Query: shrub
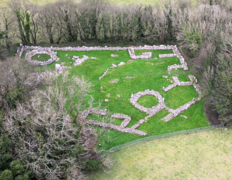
(6, 175)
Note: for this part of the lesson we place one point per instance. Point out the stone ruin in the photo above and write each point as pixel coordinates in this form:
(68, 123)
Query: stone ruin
(32, 53)
(113, 66)
(60, 68)
(79, 61)
(134, 97)
(126, 120)
(161, 105)
(167, 55)
(149, 111)
(114, 55)
(145, 55)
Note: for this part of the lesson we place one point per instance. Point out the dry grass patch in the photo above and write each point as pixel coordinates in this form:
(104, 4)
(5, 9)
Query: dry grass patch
(203, 155)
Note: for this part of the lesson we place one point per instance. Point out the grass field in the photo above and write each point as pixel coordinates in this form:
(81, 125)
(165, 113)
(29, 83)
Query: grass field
(203, 155)
(147, 74)
(41, 57)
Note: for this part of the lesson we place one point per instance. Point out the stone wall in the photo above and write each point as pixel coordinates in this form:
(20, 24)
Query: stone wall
(134, 97)
(32, 53)
(78, 60)
(167, 55)
(145, 55)
(126, 120)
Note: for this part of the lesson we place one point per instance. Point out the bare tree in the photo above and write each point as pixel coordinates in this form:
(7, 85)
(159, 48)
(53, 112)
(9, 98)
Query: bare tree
(48, 132)
(8, 21)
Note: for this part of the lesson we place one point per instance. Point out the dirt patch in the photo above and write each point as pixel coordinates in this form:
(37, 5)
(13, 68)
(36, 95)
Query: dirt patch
(211, 114)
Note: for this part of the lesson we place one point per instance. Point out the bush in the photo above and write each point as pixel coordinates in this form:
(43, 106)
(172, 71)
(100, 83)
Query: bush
(93, 165)
(43, 133)
(5, 152)
(16, 168)
(6, 175)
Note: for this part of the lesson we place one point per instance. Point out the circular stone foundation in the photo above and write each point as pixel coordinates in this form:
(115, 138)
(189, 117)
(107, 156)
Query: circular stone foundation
(41, 57)
(52, 54)
(154, 109)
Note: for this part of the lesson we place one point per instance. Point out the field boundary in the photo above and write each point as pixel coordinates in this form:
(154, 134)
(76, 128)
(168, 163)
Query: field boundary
(113, 149)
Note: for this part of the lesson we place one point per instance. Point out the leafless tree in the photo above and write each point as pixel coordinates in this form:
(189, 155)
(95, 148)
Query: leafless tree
(47, 130)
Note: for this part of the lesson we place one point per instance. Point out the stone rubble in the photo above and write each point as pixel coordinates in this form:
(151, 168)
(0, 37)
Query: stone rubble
(121, 64)
(129, 77)
(79, 61)
(114, 55)
(114, 81)
(61, 67)
(184, 116)
(102, 90)
(113, 66)
(104, 73)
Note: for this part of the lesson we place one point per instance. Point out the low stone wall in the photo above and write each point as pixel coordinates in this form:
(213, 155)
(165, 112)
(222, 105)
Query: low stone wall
(181, 58)
(145, 55)
(134, 97)
(78, 60)
(150, 111)
(113, 66)
(60, 68)
(121, 128)
(30, 54)
(167, 55)
(126, 118)
(192, 81)
(155, 109)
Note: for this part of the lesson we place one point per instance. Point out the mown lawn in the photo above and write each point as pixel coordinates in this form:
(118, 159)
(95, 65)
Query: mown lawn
(202, 155)
(147, 74)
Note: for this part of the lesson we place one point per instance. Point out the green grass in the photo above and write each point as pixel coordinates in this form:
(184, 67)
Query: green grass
(41, 57)
(148, 101)
(148, 74)
(202, 155)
